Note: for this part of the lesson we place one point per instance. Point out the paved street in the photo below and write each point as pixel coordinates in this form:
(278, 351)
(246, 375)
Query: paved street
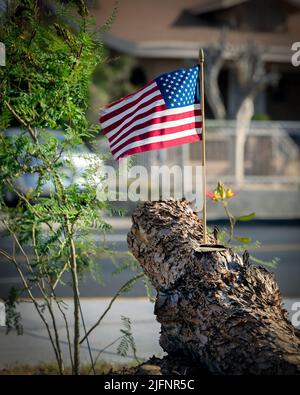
(33, 346)
(279, 239)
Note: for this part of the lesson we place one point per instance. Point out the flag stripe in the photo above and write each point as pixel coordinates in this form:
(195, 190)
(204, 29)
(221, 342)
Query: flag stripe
(149, 126)
(160, 145)
(163, 133)
(136, 94)
(149, 100)
(151, 113)
(108, 116)
(155, 123)
(157, 105)
(159, 142)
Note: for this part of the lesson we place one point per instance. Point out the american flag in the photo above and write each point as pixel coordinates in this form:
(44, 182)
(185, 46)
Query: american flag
(164, 113)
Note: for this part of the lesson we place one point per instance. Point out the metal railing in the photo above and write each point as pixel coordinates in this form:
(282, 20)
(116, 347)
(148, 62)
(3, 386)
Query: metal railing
(271, 154)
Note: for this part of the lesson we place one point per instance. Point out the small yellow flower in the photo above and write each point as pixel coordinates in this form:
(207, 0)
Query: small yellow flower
(229, 193)
(221, 193)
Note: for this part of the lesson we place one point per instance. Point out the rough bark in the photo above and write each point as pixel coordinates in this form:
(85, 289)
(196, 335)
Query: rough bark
(216, 310)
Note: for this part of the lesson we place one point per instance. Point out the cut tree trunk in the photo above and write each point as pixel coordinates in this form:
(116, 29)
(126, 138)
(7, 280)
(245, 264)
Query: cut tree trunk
(216, 310)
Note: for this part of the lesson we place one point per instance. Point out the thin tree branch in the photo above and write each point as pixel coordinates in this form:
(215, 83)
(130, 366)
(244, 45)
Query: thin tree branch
(118, 293)
(43, 292)
(36, 305)
(2, 252)
(30, 130)
(66, 326)
(103, 349)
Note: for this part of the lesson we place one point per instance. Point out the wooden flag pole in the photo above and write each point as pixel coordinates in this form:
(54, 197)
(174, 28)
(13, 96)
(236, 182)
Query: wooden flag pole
(201, 79)
(205, 247)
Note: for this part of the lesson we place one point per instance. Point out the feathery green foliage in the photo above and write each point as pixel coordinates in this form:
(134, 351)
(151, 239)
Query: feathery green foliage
(44, 89)
(127, 342)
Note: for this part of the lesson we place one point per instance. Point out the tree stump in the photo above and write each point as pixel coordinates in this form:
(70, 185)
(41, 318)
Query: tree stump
(216, 310)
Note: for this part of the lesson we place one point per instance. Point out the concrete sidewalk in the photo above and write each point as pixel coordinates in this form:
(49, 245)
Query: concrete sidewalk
(34, 347)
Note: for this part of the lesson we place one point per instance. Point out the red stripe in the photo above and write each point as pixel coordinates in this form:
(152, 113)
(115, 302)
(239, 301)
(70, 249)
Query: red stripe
(129, 95)
(160, 107)
(160, 145)
(156, 120)
(142, 105)
(119, 110)
(159, 132)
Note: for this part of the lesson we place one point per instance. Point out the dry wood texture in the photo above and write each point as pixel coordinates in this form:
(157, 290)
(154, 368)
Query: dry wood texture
(214, 309)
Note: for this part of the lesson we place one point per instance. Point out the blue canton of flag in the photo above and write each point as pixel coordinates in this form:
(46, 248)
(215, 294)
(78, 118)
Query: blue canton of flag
(180, 88)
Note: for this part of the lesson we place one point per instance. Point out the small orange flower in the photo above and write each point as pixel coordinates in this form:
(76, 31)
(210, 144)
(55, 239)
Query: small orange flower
(221, 193)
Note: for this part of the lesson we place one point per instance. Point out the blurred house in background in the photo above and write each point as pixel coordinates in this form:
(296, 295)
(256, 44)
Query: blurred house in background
(165, 35)
(253, 121)
(246, 42)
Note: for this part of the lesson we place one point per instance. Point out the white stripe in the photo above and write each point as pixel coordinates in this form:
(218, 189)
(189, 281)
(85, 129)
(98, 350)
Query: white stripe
(127, 120)
(157, 126)
(157, 139)
(129, 110)
(133, 97)
(157, 114)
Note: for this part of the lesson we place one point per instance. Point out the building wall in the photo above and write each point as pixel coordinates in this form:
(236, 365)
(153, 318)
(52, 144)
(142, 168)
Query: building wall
(155, 67)
(279, 103)
(283, 99)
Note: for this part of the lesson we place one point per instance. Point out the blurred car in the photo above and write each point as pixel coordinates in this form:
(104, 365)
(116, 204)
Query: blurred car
(79, 157)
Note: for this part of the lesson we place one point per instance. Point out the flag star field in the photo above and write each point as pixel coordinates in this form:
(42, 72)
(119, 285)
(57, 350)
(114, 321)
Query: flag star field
(179, 88)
